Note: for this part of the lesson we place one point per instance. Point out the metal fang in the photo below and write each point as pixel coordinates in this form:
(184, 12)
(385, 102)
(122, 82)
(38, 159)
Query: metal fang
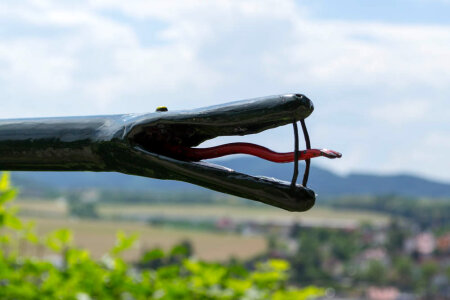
(295, 175)
(308, 146)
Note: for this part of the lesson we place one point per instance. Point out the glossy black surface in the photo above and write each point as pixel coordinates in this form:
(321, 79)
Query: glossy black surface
(133, 144)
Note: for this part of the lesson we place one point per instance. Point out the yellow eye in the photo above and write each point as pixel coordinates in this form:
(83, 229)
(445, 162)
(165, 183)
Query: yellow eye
(161, 108)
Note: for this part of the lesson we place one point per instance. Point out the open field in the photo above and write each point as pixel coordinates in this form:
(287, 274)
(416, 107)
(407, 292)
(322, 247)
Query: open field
(99, 236)
(316, 215)
(43, 207)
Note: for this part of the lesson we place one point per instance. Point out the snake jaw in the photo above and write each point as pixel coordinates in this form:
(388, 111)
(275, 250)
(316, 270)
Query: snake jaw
(263, 189)
(150, 139)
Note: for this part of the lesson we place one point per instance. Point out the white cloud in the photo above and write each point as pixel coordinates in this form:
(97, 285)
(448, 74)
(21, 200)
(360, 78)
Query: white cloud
(403, 112)
(28, 64)
(366, 54)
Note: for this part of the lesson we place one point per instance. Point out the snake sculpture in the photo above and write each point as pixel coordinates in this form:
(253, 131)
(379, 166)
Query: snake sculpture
(162, 145)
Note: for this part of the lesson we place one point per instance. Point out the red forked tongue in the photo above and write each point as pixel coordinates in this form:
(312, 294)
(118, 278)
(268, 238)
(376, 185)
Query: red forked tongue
(197, 154)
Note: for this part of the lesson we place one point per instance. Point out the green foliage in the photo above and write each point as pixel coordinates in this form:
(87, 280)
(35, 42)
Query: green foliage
(123, 242)
(82, 209)
(404, 274)
(396, 237)
(59, 240)
(7, 216)
(427, 213)
(319, 248)
(375, 273)
(176, 276)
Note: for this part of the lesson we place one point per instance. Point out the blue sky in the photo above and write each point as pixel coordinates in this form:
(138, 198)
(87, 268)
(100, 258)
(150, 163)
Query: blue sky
(378, 72)
(392, 11)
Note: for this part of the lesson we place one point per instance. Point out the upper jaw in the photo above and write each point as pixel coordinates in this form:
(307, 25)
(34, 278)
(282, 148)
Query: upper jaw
(145, 136)
(190, 128)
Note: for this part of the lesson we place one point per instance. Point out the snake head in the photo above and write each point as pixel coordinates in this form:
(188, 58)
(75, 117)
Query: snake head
(145, 146)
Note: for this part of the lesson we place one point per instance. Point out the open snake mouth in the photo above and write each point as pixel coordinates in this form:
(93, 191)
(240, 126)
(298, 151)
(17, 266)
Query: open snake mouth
(174, 136)
(184, 153)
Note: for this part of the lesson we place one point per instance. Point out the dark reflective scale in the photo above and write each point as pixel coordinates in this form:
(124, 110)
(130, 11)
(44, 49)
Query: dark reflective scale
(143, 145)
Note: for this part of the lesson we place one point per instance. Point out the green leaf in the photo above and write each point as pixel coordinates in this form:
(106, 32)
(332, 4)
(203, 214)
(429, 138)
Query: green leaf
(13, 222)
(310, 292)
(152, 255)
(5, 182)
(278, 265)
(179, 250)
(7, 195)
(59, 240)
(123, 242)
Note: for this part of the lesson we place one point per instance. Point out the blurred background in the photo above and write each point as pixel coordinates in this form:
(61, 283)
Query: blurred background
(378, 73)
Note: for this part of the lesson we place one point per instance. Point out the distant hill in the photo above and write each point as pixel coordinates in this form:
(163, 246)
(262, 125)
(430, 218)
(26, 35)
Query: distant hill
(324, 182)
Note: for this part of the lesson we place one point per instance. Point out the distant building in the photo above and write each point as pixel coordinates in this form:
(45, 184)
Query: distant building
(378, 254)
(424, 244)
(382, 293)
(443, 243)
(225, 224)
